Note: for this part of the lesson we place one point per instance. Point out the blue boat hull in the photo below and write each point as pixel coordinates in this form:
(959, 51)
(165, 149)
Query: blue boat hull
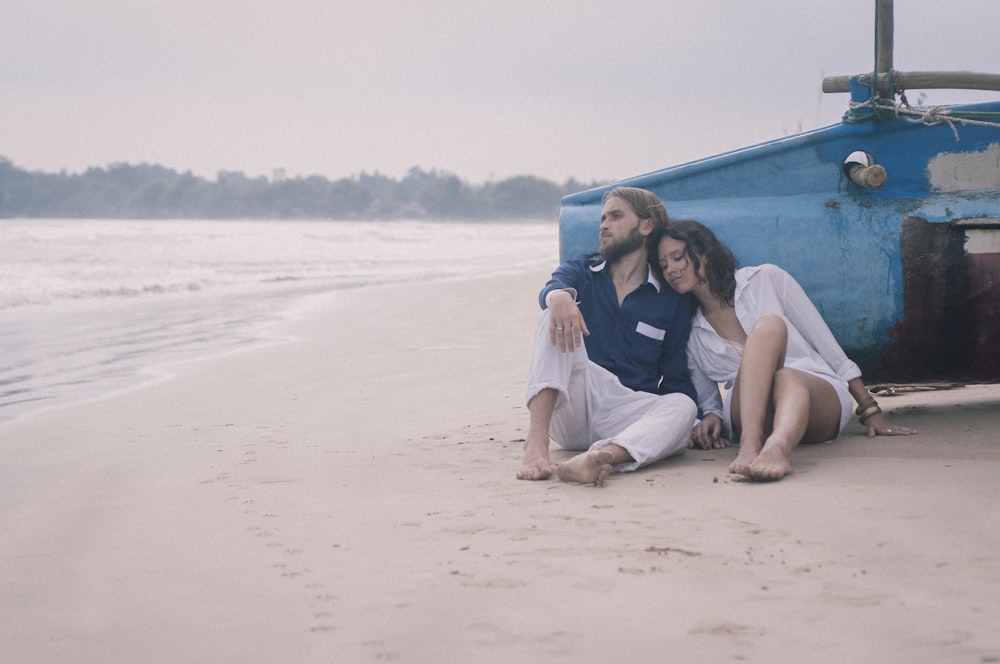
(906, 275)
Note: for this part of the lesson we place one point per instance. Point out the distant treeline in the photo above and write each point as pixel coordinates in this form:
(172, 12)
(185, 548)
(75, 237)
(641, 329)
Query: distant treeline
(148, 191)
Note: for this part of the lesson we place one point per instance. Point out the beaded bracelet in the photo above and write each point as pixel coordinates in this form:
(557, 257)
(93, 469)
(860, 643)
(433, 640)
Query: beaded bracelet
(868, 412)
(870, 401)
(867, 408)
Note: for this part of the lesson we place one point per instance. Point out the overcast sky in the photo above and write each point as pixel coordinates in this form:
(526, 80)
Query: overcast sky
(484, 89)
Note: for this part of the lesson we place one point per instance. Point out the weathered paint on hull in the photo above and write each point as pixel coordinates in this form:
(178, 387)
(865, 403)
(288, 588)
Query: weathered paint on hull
(906, 275)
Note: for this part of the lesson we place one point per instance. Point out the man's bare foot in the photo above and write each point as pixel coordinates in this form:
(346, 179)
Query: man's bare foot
(535, 468)
(744, 459)
(773, 463)
(535, 465)
(587, 468)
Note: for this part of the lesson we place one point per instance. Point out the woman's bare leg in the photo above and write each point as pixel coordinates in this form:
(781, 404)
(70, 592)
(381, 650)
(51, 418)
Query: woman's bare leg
(752, 407)
(806, 408)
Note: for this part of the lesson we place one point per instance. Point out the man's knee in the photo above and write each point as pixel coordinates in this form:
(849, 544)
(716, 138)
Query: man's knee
(686, 408)
(678, 408)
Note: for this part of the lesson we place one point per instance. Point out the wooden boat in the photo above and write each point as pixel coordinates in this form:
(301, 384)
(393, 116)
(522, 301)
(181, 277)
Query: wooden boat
(890, 219)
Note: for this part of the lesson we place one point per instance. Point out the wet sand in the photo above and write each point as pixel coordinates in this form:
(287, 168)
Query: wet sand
(348, 495)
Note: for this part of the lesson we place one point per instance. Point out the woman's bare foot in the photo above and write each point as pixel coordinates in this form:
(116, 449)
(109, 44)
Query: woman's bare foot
(588, 468)
(744, 459)
(773, 463)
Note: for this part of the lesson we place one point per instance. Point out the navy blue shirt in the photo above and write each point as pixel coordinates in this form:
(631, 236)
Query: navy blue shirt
(643, 341)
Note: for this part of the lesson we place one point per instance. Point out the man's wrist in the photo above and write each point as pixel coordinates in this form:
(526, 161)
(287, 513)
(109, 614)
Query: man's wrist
(568, 291)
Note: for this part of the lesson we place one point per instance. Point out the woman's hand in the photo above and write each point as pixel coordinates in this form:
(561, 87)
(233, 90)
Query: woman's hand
(707, 434)
(879, 425)
(566, 325)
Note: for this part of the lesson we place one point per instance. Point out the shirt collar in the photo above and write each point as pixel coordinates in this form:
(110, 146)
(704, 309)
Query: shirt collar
(650, 276)
(743, 276)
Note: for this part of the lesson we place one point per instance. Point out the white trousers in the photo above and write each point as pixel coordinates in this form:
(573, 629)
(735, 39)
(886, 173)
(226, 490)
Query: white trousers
(593, 409)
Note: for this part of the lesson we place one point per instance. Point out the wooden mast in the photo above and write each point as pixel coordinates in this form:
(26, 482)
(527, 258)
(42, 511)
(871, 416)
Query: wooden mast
(918, 80)
(883, 45)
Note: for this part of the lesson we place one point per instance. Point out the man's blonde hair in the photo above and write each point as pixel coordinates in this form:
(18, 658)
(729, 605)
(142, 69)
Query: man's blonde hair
(644, 203)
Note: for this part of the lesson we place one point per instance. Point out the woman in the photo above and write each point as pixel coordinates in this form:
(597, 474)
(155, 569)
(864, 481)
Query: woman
(755, 329)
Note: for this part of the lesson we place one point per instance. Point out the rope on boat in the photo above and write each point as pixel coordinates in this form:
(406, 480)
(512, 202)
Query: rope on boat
(934, 115)
(895, 389)
(886, 109)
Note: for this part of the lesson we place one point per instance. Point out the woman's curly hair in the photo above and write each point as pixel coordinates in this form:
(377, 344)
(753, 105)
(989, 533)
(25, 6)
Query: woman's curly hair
(699, 241)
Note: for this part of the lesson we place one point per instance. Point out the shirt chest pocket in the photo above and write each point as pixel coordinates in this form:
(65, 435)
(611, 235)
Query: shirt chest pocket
(650, 332)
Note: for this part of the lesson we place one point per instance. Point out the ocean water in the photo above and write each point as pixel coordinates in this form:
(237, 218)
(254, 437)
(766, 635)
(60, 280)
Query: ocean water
(92, 306)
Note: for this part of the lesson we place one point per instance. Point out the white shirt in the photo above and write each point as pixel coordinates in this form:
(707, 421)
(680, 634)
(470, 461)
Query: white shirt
(764, 289)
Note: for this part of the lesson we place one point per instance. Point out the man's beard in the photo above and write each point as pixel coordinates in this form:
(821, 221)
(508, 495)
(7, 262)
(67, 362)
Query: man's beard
(617, 249)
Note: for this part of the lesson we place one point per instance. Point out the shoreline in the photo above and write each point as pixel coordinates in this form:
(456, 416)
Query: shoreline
(350, 496)
(183, 290)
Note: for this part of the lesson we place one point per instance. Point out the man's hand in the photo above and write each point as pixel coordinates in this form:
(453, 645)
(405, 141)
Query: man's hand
(566, 325)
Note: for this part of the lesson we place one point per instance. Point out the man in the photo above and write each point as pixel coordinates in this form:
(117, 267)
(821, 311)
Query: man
(608, 371)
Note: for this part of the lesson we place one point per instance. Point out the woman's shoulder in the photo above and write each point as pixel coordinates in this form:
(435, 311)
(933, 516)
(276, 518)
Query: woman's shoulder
(764, 278)
(764, 268)
(764, 271)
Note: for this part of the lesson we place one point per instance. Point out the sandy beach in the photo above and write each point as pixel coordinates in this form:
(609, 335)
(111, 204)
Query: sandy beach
(347, 494)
